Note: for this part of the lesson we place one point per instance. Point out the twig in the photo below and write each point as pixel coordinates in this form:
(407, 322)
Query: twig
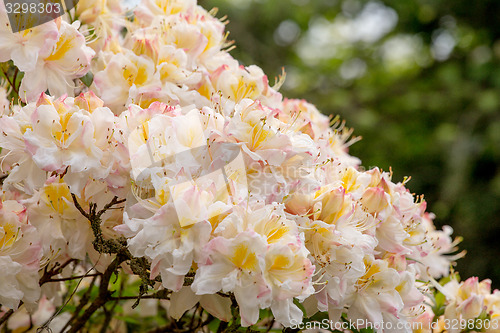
(47, 323)
(113, 202)
(109, 314)
(102, 297)
(222, 326)
(83, 301)
(77, 205)
(102, 245)
(191, 324)
(10, 82)
(207, 321)
(16, 89)
(271, 323)
(6, 316)
(48, 274)
(73, 277)
(107, 318)
(140, 266)
(153, 296)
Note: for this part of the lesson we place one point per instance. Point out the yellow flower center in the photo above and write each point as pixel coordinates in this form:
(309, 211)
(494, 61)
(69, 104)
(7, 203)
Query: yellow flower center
(63, 45)
(137, 74)
(243, 258)
(280, 262)
(8, 235)
(57, 196)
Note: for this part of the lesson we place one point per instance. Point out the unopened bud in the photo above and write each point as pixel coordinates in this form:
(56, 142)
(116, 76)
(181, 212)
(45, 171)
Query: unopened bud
(374, 200)
(88, 101)
(472, 307)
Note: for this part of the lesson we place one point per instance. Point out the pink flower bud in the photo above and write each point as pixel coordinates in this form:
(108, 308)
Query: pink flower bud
(374, 200)
(472, 307)
(88, 101)
(468, 288)
(396, 261)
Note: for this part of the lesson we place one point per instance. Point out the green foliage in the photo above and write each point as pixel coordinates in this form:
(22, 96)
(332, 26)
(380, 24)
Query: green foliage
(10, 75)
(87, 79)
(424, 96)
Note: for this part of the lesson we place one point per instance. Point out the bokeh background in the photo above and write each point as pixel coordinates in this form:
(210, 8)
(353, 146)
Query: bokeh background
(419, 80)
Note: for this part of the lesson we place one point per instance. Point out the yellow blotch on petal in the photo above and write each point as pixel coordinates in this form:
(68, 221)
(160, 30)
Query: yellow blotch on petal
(259, 136)
(368, 278)
(8, 235)
(24, 128)
(62, 47)
(349, 179)
(169, 7)
(243, 258)
(57, 196)
(63, 133)
(205, 90)
(276, 234)
(280, 262)
(162, 196)
(137, 75)
(244, 90)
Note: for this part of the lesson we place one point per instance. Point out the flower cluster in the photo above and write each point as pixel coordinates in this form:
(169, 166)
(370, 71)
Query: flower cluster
(232, 192)
(463, 306)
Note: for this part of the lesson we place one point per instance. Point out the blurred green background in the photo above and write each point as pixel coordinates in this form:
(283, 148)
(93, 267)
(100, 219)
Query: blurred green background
(419, 80)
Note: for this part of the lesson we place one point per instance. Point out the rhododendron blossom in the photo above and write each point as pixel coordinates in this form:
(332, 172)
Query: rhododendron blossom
(58, 64)
(137, 147)
(20, 254)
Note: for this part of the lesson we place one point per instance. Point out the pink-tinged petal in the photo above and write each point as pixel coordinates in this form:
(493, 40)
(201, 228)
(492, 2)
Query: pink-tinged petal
(217, 306)
(249, 305)
(472, 307)
(181, 301)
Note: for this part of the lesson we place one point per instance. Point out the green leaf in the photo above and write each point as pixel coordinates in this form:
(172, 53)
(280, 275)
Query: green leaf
(439, 306)
(130, 320)
(300, 306)
(367, 330)
(214, 325)
(87, 79)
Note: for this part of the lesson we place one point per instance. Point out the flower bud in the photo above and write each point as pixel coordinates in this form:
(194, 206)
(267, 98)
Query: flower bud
(147, 45)
(396, 261)
(88, 101)
(472, 307)
(332, 205)
(374, 200)
(468, 288)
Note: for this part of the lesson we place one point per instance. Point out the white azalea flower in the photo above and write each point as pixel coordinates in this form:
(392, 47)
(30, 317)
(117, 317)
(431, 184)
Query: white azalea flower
(20, 254)
(123, 71)
(25, 47)
(58, 65)
(236, 265)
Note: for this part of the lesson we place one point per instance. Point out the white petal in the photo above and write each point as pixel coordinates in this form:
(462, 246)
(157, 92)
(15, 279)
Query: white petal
(217, 306)
(182, 301)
